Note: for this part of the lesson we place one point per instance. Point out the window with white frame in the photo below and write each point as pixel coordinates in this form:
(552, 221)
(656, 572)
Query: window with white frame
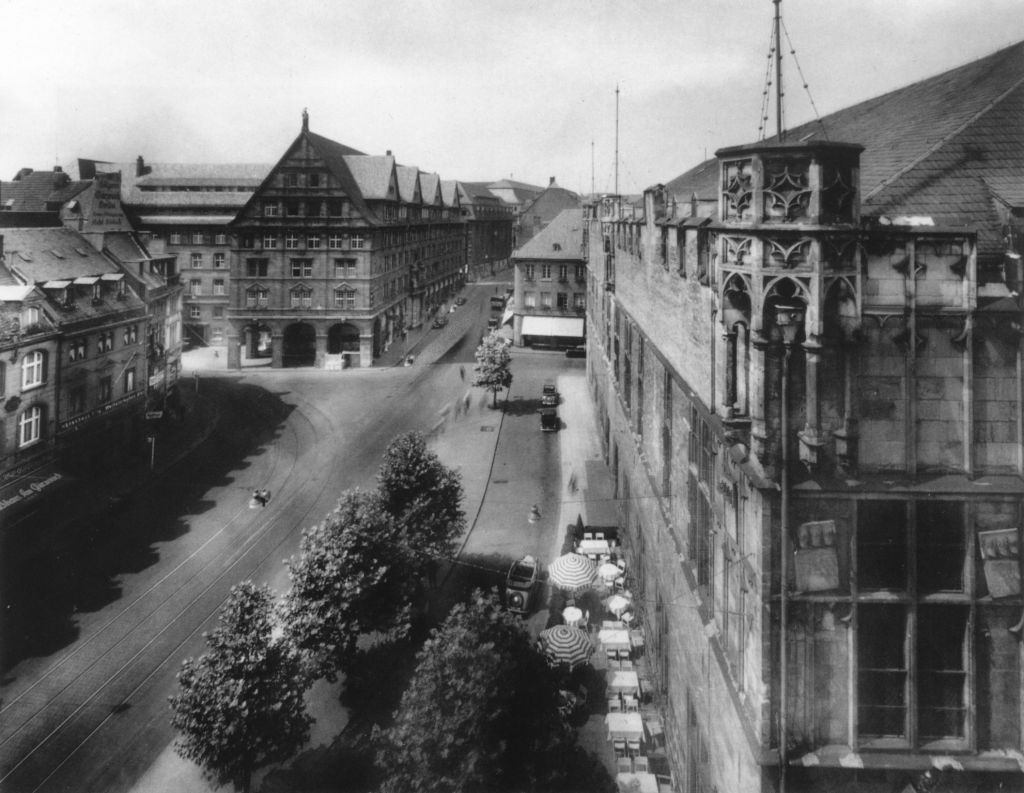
(129, 380)
(530, 299)
(291, 241)
(302, 268)
(528, 272)
(313, 241)
(579, 301)
(345, 298)
(218, 286)
(197, 261)
(174, 238)
(545, 300)
(256, 296)
(198, 238)
(194, 312)
(33, 370)
(545, 272)
(195, 287)
(220, 239)
(344, 268)
(29, 316)
(30, 426)
(335, 241)
(131, 334)
(302, 297)
(105, 341)
(271, 209)
(218, 261)
(269, 240)
(358, 242)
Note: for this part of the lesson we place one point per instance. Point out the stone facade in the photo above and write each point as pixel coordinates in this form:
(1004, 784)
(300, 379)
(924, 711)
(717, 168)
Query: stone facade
(813, 423)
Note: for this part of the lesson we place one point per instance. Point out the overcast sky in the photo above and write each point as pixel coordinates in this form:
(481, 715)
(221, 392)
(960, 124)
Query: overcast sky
(470, 89)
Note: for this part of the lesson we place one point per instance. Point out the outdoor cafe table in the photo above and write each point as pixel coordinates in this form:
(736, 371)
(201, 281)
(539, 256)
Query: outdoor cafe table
(593, 547)
(614, 638)
(623, 681)
(572, 616)
(641, 782)
(624, 726)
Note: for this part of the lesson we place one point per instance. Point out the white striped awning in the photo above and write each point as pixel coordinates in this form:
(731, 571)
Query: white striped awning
(566, 327)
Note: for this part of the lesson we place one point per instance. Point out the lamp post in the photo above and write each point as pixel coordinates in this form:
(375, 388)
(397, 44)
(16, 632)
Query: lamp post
(788, 318)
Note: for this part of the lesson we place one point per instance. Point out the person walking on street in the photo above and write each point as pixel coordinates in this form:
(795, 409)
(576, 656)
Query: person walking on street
(462, 373)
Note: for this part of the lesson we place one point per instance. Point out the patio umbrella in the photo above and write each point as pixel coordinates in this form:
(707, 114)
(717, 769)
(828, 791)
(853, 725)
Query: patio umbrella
(616, 604)
(609, 571)
(572, 571)
(565, 645)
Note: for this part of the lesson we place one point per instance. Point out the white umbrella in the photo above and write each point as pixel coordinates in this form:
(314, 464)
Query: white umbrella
(609, 571)
(572, 572)
(616, 604)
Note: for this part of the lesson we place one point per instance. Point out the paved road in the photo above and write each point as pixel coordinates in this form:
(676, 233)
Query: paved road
(113, 617)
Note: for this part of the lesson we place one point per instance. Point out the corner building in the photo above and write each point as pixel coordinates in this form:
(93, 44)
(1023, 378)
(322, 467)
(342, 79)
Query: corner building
(338, 252)
(810, 404)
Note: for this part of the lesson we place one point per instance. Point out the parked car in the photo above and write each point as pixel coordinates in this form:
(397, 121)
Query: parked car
(460, 301)
(493, 323)
(549, 396)
(549, 421)
(521, 585)
(497, 303)
(440, 321)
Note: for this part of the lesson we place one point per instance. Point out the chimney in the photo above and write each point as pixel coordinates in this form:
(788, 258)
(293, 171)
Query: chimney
(140, 166)
(23, 172)
(552, 182)
(693, 205)
(305, 120)
(388, 153)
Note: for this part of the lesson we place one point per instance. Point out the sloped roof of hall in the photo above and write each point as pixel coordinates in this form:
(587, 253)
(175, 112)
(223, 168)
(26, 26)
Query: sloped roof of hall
(33, 191)
(478, 190)
(561, 239)
(372, 173)
(936, 147)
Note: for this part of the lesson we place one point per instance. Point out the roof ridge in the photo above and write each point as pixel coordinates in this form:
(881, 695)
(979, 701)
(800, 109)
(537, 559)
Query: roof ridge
(946, 139)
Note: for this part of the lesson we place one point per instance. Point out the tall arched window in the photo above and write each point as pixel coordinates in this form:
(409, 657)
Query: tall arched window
(30, 426)
(33, 370)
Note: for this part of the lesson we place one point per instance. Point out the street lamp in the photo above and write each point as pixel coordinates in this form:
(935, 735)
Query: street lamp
(788, 318)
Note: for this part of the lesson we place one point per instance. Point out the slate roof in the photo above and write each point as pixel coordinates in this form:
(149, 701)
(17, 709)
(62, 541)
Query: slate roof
(39, 191)
(449, 192)
(565, 232)
(949, 147)
(52, 254)
(407, 180)
(334, 154)
(372, 174)
(429, 185)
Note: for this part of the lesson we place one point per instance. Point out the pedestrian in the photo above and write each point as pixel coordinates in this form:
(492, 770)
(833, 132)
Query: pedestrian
(462, 373)
(264, 496)
(572, 483)
(466, 401)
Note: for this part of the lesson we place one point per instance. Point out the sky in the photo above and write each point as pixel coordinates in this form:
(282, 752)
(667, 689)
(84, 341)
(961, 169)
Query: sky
(475, 90)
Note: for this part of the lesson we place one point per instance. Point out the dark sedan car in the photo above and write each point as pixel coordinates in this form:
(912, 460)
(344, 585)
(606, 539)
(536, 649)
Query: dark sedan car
(549, 396)
(440, 321)
(549, 421)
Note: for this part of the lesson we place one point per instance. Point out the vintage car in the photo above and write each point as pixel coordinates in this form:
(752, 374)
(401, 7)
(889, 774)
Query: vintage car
(549, 395)
(549, 421)
(521, 585)
(440, 321)
(460, 300)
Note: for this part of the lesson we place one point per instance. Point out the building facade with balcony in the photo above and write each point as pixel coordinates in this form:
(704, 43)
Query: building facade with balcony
(337, 253)
(550, 285)
(810, 404)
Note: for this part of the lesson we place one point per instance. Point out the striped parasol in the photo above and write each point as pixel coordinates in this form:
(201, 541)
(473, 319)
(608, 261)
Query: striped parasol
(572, 572)
(565, 645)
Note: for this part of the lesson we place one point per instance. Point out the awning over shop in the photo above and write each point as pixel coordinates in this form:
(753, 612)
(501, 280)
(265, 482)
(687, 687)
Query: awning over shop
(563, 327)
(29, 487)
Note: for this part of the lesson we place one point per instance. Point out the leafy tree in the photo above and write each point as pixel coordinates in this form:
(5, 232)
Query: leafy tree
(353, 575)
(424, 496)
(492, 369)
(480, 712)
(240, 705)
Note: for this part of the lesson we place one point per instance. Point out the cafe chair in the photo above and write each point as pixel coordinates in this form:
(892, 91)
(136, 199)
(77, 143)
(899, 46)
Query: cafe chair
(598, 535)
(613, 658)
(619, 745)
(633, 747)
(614, 705)
(640, 765)
(623, 765)
(621, 564)
(664, 783)
(630, 704)
(588, 535)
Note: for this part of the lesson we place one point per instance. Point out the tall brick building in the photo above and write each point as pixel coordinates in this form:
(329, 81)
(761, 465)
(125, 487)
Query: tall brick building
(337, 252)
(810, 401)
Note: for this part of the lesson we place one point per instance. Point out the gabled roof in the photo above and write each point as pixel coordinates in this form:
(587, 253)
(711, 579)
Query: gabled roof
(38, 191)
(373, 174)
(509, 184)
(430, 185)
(50, 254)
(450, 192)
(408, 183)
(477, 191)
(945, 147)
(561, 239)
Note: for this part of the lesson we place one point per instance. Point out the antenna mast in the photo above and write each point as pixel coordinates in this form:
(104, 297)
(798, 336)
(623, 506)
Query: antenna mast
(616, 140)
(591, 169)
(778, 71)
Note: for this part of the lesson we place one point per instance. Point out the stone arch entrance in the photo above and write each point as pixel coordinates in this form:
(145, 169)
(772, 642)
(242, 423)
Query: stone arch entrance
(257, 341)
(299, 345)
(343, 339)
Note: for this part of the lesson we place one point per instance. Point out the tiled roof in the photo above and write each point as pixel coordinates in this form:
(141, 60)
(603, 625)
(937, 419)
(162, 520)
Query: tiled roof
(449, 192)
(39, 191)
(372, 173)
(561, 239)
(407, 181)
(939, 147)
(143, 200)
(334, 154)
(429, 186)
(523, 186)
(49, 254)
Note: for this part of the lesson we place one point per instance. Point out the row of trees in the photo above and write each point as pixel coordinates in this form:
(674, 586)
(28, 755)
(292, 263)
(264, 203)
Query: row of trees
(240, 705)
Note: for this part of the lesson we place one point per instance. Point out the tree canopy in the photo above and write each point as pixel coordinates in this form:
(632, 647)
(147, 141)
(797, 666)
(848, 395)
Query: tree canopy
(481, 712)
(424, 496)
(492, 369)
(353, 575)
(240, 706)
